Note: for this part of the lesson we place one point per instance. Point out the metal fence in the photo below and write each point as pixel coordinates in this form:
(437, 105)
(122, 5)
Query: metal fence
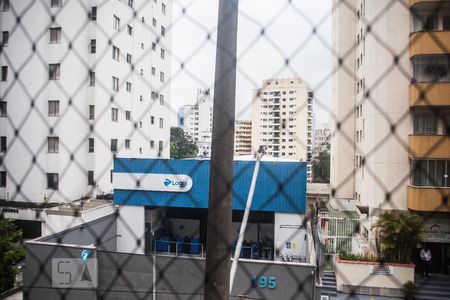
(85, 83)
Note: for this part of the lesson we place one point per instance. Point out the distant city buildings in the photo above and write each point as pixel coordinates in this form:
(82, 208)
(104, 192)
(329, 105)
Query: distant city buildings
(242, 137)
(196, 120)
(282, 119)
(322, 139)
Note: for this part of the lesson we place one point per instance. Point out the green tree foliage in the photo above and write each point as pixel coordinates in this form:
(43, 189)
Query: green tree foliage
(397, 233)
(321, 168)
(11, 253)
(181, 144)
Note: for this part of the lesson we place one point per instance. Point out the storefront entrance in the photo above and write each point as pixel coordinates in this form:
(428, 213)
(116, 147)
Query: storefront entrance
(440, 258)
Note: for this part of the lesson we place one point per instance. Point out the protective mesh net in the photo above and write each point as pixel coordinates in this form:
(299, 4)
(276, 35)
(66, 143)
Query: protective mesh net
(85, 82)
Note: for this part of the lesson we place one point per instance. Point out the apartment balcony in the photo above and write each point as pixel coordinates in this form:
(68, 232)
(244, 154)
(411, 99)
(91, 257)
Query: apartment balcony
(429, 94)
(429, 146)
(428, 199)
(429, 43)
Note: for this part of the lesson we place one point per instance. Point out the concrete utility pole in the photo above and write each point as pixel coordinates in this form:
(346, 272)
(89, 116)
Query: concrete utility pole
(218, 239)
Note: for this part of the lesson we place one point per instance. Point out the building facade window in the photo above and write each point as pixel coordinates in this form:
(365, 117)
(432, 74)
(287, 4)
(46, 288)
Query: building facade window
(53, 144)
(152, 120)
(91, 112)
(3, 108)
(127, 144)
(129, 57)
(113, 145)
(431, 68)
(163, 53)
(128, 86)
(115, 84)
(431, 173)
(114, 114)
(55, 3)
(115, 53)
(91, 180)
(54, 71)
(153, 46)
(2, 179)
(161, 123)
(116, 22)
(161, 76)
(91, 78)
(163, 31)
(152, 144)
(52, 181)
(94, 13)
(128, 115)
(160, 146)
(3, 144)
(4, 5)
(153, 71)
(163, 8)
(161, 99)
(55, 35)
(53, 108)
(425, 124)
(91, 145)
(4, 73)
(129, 30)
(5, 38)
(93, 46)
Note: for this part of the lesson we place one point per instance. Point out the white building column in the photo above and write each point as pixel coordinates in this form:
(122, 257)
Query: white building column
(131, 229)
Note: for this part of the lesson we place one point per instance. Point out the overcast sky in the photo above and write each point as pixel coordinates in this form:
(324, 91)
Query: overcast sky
(288, 34)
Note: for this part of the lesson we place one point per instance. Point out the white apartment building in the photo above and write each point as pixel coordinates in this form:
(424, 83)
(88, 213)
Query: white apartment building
(82, 82)
(196, 120)
(242, 137)
(391, 103)
(282, 119)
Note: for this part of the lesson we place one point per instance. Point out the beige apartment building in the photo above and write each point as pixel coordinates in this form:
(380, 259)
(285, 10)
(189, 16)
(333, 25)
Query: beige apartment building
(282, 119)
(391, 109)
(242, 137)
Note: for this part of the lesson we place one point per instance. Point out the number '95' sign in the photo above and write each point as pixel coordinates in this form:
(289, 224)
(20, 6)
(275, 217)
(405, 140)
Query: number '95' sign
(263, 282)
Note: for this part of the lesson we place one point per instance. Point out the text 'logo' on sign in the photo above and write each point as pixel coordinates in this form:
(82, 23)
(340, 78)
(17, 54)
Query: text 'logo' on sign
(181, 184)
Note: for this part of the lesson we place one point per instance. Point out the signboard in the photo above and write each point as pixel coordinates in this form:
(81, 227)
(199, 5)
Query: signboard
(437, 231)
(178, 183)
(280, 186)
(74, 273)
(383, 270)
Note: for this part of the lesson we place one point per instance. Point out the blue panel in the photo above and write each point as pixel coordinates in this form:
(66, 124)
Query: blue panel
(281, 186)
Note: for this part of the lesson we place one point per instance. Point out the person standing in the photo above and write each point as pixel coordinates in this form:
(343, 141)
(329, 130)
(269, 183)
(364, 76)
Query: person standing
(425, 256)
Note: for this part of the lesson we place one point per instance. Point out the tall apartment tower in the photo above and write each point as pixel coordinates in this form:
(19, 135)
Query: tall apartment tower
(80, 84)
(242, 137)
(391, 96)
(282, 119)
(196, 120)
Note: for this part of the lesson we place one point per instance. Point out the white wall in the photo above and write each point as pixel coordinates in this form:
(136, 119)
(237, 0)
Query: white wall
(293, 234)
(130, 228)
(56, 223)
